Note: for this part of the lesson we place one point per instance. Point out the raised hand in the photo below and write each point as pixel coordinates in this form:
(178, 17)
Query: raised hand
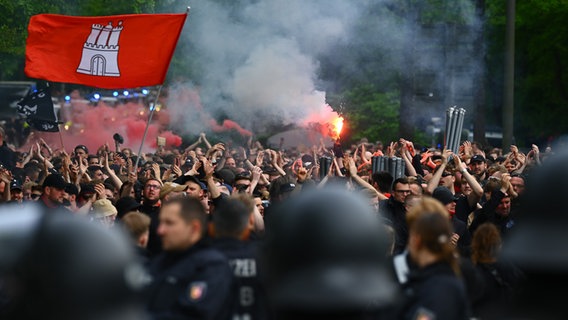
(256, 172)
(176, 170)
(467, 148)
(100, 191)
(259, 158)
(208, 167)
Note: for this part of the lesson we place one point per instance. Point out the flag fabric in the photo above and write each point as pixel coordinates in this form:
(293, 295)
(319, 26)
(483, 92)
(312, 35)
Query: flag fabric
(37, 108)
(111, 52)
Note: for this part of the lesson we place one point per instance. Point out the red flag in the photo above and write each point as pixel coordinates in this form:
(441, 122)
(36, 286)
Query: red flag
(122, 51)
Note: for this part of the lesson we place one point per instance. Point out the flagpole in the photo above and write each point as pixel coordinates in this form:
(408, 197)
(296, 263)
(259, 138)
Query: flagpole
(152, 108)
(61, 138)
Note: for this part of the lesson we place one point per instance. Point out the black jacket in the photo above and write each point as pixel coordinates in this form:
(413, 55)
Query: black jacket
(464, 242)
(402, 265)
(395, 214)
(193, 284)
(249, 293)
(501, 280)
(435, 292)
(154, 241)
(487, 214)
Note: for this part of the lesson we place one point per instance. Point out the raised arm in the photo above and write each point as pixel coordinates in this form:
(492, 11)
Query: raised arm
(209, 169)
(274, 161)
(352, 169)
(204, 140)
(407, 157)
(435, 180)
(194, 145)
(114, 178)
(477, 191)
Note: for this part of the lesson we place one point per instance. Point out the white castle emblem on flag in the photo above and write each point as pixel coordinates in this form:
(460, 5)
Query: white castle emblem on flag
(100, 51)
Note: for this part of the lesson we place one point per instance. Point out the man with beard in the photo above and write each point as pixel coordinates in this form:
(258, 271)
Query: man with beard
(497, 209)
(70, 197)
(478, 167)
(53, 191)
(151, 207)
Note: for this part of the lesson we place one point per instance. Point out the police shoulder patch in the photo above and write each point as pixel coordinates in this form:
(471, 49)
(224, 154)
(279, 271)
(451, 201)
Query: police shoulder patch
(197, 290)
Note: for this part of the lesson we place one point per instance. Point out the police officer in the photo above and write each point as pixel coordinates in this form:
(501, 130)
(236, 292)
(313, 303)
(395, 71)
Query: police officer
(324, 257)
(61, 266)
(190, 280)
(232, 223)
(538, 244)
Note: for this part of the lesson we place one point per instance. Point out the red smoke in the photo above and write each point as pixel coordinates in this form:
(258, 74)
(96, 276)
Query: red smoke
(229, 125)
(94, 126)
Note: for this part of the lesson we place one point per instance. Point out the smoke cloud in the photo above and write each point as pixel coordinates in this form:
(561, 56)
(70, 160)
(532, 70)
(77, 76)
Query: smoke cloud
(94, 126)
(257, 64)
(259, 61)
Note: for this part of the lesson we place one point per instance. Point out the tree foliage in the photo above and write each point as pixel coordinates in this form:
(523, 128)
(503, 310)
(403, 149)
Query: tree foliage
(541, 70)
(370, 113)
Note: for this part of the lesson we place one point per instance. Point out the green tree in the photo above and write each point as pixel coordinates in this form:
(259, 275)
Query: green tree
(541, 70)
(370, 113)
(14, 18)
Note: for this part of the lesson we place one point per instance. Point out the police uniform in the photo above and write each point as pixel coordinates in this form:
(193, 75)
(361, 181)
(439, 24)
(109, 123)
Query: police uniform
(435, 292)
(193, 284)
(249, 293)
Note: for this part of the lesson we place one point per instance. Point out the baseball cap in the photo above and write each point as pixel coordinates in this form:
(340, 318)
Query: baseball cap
(287, 187)
(169, 187)
(15, 185)
(477, 158)
(104, 208)
(444, 195)
(308, 161)
(82, 146)
(54, 180)
(183, 179)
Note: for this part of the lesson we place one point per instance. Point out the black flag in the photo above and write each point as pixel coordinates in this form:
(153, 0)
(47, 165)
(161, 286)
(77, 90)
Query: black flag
(37, 109)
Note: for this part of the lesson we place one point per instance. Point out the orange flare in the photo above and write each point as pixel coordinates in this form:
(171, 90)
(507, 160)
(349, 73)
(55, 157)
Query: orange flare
(337, 125)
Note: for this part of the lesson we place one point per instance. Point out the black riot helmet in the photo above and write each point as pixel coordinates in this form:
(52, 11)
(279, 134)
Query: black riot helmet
(325, 254)
(537, 244)
(54, 265)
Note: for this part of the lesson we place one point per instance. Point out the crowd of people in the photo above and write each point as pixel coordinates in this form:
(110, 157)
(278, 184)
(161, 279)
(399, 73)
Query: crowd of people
(227, 231)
